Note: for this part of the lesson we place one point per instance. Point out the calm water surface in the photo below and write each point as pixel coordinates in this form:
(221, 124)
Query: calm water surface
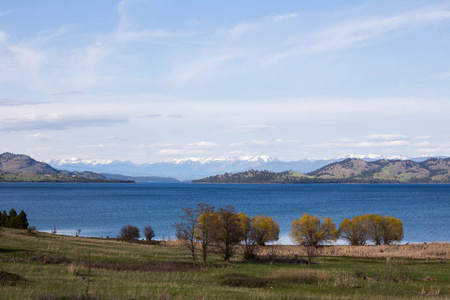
(102, 209)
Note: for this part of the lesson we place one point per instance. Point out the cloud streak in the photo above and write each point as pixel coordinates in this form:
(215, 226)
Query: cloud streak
(58, 121)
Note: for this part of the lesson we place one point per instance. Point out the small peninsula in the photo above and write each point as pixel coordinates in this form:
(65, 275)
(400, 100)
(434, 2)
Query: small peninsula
(23, 168)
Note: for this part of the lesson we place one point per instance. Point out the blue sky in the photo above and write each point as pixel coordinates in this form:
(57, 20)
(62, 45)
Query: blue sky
(150, 81)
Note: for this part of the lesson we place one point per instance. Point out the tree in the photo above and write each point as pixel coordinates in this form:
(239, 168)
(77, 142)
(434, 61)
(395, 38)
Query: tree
(11, 221)
(375, 227)
(186, 229)
(205, 228)
(149, 233)
(21, 220)
(265, 229)
(311, 231)
(228, 232)
(392, 230)
(3, 219)
(356, 231)
(129, 232)
(247, 235)
(372, 227)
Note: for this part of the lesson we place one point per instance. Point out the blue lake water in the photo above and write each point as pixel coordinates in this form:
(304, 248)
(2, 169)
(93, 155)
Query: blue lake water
(102, 209)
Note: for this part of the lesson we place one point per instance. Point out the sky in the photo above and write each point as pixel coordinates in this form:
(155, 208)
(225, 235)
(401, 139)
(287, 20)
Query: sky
(149, 81)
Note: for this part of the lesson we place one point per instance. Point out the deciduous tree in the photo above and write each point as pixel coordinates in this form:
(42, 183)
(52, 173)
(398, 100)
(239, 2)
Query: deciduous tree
(228, 232)
(265, 229)
(311, 231)
(186, 229)
(149, 233)
(247, 236)
(206, 226)
(356, 231)
(392, 230)
(129, 232)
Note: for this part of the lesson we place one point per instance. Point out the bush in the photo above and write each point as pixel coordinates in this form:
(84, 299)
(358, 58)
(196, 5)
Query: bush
(149, 233)
(129, 232)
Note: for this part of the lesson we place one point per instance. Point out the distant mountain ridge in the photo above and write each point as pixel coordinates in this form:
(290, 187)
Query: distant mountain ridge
(195, 168)
(433, 170)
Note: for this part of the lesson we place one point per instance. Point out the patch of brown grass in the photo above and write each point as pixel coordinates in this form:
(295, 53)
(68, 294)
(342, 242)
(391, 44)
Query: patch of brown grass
(302, 276)
(47, 258)
(167, 266)
(434, 251)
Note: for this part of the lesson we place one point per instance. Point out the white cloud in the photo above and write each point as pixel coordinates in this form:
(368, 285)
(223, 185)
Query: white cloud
(203, 144)
(251, 128)
(58, 121)
(38, 137)
(175, 152)
(285, 17)
(386, 137)
(261, 143)
(3, 36)
(360, 32)
(91, 146)
(16, 102)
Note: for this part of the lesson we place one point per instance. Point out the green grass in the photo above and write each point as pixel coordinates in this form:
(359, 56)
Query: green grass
(45, 266)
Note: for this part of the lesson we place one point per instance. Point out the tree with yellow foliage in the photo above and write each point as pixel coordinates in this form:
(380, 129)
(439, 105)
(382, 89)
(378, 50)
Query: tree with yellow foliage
(247, 235)
(375, 227)
(392, 230)
(264, 229)
(205, 227)
(311, 231)
(356, 230)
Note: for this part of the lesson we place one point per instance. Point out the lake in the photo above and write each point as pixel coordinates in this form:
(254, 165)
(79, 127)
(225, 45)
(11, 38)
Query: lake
(100, 210)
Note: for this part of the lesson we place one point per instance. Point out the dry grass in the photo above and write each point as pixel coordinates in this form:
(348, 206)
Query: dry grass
(303, 276)
(166, 266)
(434, 251)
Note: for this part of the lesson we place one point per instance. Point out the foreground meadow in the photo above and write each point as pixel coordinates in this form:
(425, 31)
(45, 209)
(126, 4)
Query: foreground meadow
(45, 266)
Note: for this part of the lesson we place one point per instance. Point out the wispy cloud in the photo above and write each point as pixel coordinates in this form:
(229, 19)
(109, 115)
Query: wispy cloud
(285, 17)
(386, 137)
(16, 102)
(38, 137)
(5, 12)
(361, 32)
(370, 141)
(439, 76)
(251, 128)
(58, 121)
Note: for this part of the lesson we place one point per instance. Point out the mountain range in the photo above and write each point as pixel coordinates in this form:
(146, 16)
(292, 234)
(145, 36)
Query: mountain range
(433, 170)
(195, 168)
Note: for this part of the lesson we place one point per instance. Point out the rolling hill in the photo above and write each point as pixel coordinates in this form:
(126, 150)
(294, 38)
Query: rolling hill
(22, 168)
(433, 170)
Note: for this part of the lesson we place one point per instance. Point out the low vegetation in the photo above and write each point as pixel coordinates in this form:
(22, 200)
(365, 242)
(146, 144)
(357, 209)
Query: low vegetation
(45, 266)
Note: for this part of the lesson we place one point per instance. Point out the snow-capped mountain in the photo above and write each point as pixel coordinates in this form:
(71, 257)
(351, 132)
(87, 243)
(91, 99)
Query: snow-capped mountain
(183, 169)
(195, 168)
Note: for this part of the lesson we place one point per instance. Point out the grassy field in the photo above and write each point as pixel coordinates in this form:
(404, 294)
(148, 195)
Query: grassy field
(44, 266)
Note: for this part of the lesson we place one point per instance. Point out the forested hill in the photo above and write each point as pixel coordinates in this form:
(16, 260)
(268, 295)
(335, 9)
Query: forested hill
(433, 170)
(22, 168)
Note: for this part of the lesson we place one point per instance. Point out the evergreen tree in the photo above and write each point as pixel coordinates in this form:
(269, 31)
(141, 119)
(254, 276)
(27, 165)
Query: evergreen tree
(12, 219)
(21, 220)
(3, 219)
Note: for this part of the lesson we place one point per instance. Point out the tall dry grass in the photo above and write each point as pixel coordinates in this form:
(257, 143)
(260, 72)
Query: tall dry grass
(434, 251)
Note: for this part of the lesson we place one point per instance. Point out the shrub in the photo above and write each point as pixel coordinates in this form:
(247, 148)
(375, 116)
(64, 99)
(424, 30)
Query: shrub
(129, 232)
